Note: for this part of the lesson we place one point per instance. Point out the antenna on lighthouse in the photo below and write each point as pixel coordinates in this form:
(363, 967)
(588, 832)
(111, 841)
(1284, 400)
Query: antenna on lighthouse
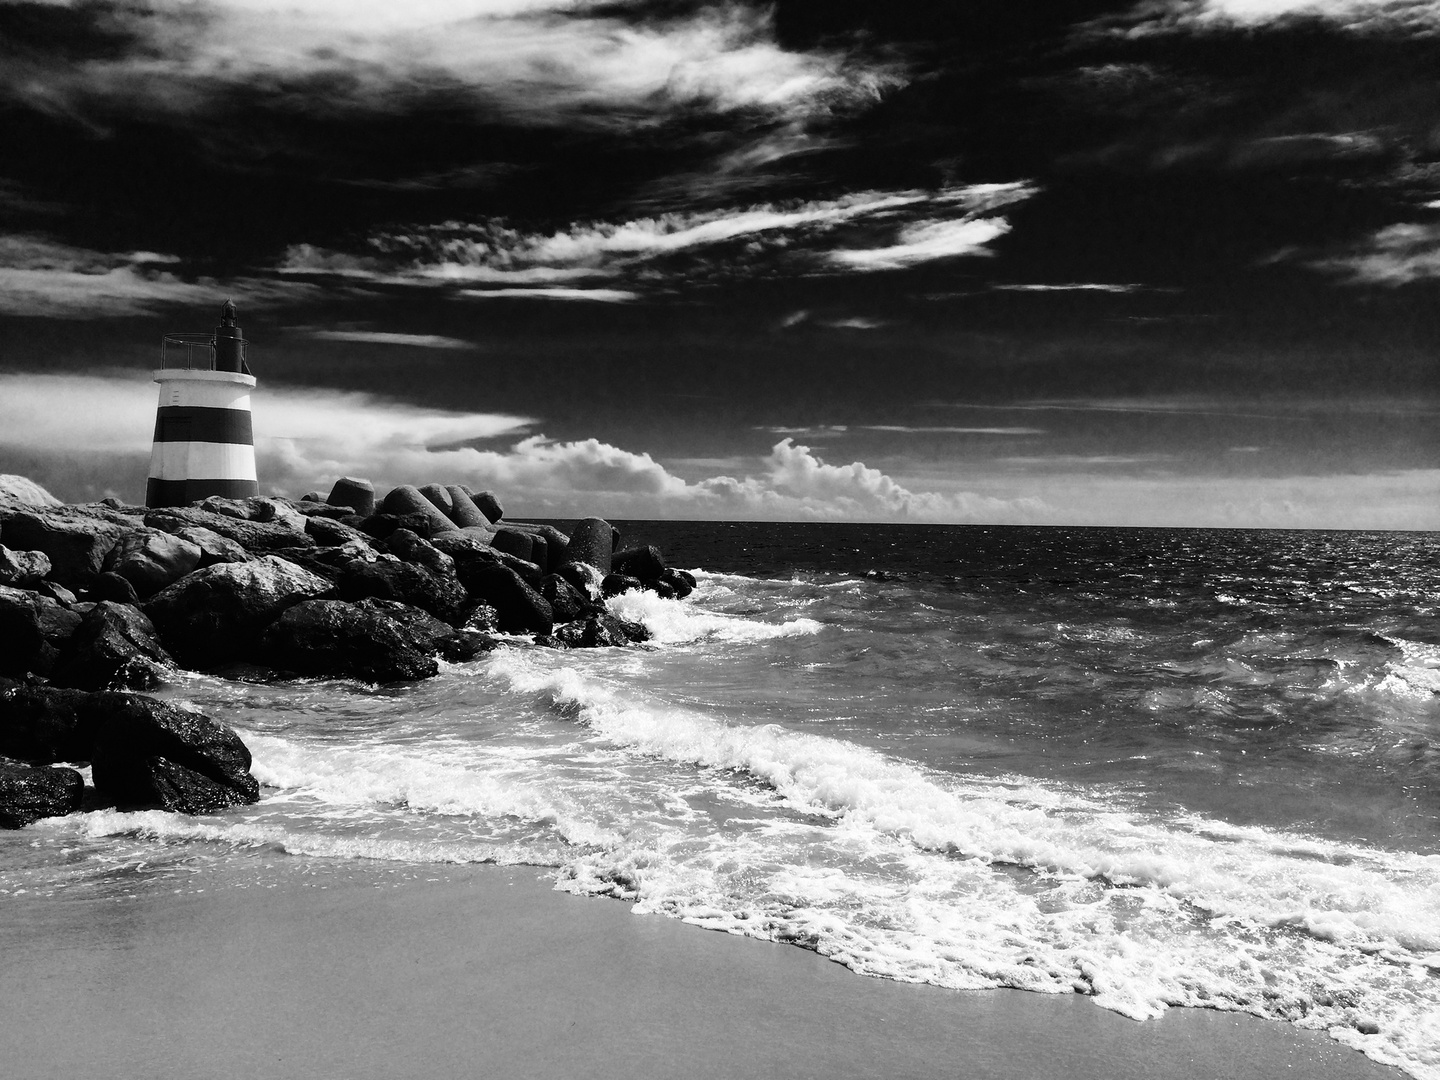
(204, 443)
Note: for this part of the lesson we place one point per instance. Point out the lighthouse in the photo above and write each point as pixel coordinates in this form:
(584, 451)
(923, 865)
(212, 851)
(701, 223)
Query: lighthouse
(204, 444)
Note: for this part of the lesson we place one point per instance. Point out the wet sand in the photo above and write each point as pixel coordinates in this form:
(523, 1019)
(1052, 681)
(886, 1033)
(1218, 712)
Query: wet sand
(488, 972)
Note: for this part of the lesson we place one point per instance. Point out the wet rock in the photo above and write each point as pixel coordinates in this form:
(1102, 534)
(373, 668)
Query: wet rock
(150, 560)
(150, 754)
(331, 637)
(406, 500)
(214, 548)
(591, 541)
(463, 511)
(481, 617)
(469, 550)
(357, 494)
(387, 578)
(42, 724)
(615, 584)
(585, 578)
(599, 630)
(216, 614)
(76, 542)
(23, 569)
(408, 547)
(115, 647)
(645, 563)
(253, 536)
(32, 630)
(431, 636)
(519, 608)
(31, 792)
(567, 603)
(681, 584)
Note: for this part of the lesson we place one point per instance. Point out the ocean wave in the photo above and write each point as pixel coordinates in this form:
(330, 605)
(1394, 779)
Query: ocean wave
(674, 622)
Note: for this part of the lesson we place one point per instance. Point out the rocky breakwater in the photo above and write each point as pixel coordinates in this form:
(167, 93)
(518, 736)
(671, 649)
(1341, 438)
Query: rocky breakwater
(100, 600)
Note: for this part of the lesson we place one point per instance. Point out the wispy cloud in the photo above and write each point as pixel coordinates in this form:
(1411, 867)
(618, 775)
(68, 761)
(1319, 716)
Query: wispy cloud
(44, 278)
(382, 337)
(906, 429)
(1394, 255)
(1361, 16)
(925, 242)
(555, 292)
(1072, 286)
(538, 62)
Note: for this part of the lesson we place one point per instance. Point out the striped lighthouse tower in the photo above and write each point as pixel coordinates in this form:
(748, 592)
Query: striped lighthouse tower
(204, 444)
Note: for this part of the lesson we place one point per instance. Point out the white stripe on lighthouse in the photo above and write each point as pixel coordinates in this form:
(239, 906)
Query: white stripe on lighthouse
(202, 461)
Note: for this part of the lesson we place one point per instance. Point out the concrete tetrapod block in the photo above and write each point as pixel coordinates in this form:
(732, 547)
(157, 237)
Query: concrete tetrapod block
(463, 511)
(407, 499)
(592, 541)
(359, 495)
(488, 502)
(439, 498)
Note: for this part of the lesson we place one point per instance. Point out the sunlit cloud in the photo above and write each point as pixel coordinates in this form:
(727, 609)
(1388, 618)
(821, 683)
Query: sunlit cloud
(1395, 255)
(1361, 16)
(924, 242)
(1072, 286)
(381, 337)
(557, 292)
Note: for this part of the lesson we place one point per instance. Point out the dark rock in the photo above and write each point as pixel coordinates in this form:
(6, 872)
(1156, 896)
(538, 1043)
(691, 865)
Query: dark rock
(408, 547)
(519, 608)
(150, 560)
(463, 511)
(512, 542)
(150, 754)
(328, 532)
(387, 578)
(440, 499)
(406, 499)
(216, 614)
(325, 562)
(214, 548)
(615, 584)
(481, 617)
(380, 526)
(540, 551)
(566, 602)
(111, 586)
(681, 584)
(23, 569)
(56, 592)
(262, 508)
(251, 535)
(431, 636)
(42, 724)
(31, 792)
(645, 563)
(330, 637)
(114, 648)
(467, 549)
(488, 503)
(32, 630)
(358, 495)
(597, 631)
(591, 541)
(309, 510)
(75, 541)
(585, 578)
(557, 544)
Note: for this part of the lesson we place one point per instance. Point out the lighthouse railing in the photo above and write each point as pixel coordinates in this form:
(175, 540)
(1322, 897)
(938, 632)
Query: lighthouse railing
(192, 352)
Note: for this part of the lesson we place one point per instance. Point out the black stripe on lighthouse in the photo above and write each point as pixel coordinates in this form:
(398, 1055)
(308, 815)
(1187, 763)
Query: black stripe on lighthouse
(198, 423)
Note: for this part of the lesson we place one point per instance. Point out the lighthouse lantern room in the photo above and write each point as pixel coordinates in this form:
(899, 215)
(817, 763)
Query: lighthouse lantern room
(204, 443)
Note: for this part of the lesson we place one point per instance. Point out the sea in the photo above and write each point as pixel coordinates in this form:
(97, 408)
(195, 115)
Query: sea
(1159, 768)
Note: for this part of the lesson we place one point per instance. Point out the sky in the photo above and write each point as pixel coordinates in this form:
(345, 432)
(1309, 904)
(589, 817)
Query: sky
(1149, 262)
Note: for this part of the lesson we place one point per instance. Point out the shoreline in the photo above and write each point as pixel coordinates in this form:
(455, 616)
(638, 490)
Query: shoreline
(430, 971)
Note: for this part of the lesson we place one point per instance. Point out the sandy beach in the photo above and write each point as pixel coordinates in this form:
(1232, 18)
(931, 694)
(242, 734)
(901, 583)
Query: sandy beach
(486, 971)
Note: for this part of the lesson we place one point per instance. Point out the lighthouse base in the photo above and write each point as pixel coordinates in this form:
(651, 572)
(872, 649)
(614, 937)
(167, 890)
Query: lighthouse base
(184, 492)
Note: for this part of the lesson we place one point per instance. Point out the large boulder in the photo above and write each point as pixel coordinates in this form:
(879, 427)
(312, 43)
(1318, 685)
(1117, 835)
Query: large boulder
(431, 636)
(215, 615)
(585, 578)
(33, 628)
(149, 754)
(358, 495)
(513, 542)
(262, 508)
(75, 541)
(406, 499)
(327, 532)
(111, 586)
(408, 547)
(42, 724)
(251, 535)
(387, 578)
(616, 584)
(331, 637)
(214, 548)
(681, 583)
(23, 569)
(519, 608)
(30, 792)
(645, 563)
(598, 631)
(463, 511)
(150, 560)
(115, 647)
(468, 548)
(592, 541)
(567, 603)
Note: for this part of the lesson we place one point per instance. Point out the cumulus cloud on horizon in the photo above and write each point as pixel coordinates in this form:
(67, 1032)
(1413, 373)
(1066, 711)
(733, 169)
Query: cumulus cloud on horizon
(1362, 16)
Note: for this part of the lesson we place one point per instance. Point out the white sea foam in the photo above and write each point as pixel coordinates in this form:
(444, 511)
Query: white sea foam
(673, 622)
(902, 872)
